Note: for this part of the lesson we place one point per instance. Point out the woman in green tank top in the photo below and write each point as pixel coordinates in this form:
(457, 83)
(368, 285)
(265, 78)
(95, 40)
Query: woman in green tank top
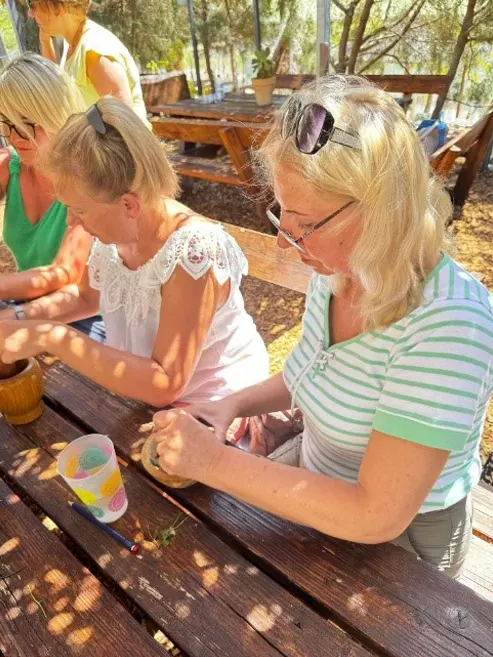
(36, 99)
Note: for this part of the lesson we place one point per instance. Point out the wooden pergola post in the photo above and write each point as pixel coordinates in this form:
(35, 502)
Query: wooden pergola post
(323, 37)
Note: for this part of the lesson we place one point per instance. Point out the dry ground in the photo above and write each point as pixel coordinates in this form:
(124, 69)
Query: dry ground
(278, 311)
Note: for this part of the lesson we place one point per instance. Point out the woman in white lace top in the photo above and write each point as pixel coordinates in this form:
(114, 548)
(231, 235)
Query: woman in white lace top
(166, 281)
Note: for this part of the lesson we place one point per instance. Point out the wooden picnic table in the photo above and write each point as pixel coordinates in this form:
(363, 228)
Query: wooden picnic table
(234, 581)
(234, 107)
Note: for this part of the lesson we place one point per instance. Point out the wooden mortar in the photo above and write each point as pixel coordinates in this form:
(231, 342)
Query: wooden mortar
(21, 391)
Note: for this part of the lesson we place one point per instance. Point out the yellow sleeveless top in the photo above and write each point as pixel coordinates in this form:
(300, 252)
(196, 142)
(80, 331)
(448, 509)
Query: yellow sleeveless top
(98, 39)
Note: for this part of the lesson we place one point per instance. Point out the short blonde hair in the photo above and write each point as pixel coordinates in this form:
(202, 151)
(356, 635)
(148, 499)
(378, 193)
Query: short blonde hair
(34, 89)
(127, 158)
(402, 207)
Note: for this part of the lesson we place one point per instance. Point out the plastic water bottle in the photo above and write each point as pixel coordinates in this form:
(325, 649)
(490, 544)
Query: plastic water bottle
(219, 89)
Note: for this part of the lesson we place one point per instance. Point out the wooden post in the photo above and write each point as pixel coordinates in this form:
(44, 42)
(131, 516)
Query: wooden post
(474, 159)
(323, 36)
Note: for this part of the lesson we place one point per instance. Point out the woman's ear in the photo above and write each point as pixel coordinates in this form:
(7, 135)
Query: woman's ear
(132, 204)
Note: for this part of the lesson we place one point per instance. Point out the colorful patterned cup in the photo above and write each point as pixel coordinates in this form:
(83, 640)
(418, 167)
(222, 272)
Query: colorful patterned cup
(90, 467)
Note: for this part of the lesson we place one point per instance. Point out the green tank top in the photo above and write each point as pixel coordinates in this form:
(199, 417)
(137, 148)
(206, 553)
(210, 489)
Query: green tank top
(32, 245)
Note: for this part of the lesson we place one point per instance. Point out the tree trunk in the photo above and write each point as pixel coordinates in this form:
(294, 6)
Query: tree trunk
(360, 32)
(346, 29)
(465, 72)
(234, 69)
(457, 54)
(204, 31)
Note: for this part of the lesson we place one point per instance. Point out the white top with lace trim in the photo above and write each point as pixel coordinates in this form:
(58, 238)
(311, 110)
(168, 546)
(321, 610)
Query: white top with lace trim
(233, 355)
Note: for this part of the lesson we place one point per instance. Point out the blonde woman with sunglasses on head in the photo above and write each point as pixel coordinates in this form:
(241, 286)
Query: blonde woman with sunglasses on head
(393, 371)
(36, 98)
(167, 281)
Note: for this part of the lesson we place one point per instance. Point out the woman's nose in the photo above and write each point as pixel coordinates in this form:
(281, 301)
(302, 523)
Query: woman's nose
(282, 242)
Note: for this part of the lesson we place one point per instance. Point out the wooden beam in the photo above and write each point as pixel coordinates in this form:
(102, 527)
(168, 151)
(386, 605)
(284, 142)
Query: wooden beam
(412, 84)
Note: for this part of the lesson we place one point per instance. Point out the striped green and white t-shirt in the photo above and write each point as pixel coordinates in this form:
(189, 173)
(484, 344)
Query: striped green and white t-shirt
(427, 378)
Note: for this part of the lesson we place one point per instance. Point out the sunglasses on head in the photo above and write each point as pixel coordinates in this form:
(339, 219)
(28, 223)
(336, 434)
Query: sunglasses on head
(313, 126)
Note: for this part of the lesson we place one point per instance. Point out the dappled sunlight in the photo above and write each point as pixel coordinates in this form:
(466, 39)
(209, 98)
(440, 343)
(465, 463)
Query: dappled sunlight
(59, 623)
(49, 472)
(9, 545)
(105, 559)
(120, 369)
(263, 618)
(24, 462)
(182, 610)
(88, 599)
(356, 603)
(210, 576)
(58, 447)
(61, 604)
(56, 579)
(78, 638)
(230, 570)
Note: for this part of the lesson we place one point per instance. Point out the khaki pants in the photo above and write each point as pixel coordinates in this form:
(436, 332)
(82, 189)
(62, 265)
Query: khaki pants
(441, 538)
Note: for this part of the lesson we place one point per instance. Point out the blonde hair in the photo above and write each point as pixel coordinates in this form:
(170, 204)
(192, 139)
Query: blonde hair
(402, 207)
(36, 90)
(127, 158)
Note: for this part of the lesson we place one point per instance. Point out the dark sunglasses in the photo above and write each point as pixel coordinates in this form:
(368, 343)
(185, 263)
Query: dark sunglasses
(313, 126)
(296, 241)
(6, 130)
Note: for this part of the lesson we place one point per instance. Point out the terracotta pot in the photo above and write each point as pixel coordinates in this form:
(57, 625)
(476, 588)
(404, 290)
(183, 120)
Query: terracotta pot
(264, 88)
(149, 458)
(20, 395)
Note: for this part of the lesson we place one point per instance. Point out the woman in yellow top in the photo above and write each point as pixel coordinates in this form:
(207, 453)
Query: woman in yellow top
(96, 59)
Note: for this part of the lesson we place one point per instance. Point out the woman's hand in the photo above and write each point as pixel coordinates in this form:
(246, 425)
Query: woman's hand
(219, 414)
(185, 446)
(23, 339)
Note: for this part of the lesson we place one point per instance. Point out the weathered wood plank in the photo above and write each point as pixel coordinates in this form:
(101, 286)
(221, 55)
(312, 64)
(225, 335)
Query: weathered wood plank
(478, 571)
(268, 262)
(205, 597)
(164, 88)
(483, 510)
(74, 615)
(207, 132)
(199, 167)
(412, 84)
(401, 606)
(474, 158)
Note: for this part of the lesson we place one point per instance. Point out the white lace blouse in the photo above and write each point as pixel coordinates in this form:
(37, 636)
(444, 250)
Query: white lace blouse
(233, 355)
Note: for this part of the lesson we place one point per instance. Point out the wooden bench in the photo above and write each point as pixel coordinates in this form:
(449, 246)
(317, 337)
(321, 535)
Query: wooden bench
(162, 88)
(472, 144)
(237, 139)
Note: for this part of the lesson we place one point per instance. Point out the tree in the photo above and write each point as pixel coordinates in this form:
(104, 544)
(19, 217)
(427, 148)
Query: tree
(153, 30)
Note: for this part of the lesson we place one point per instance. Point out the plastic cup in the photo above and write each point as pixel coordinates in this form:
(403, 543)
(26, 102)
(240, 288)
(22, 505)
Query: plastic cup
(90, 467)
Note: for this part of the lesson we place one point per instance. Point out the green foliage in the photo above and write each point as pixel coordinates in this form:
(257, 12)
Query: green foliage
(7, 30)
(263, 65)
(153, 30)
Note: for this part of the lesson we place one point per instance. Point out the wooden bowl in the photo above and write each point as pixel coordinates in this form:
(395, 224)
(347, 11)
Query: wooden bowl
(20, 394)
(149, 459)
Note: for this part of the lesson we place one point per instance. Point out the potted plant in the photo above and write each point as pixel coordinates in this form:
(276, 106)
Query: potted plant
(265, 81)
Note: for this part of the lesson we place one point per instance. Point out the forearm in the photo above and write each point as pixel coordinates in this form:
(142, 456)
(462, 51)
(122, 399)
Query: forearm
(332, 506)
(266, 397)
(121, 372)
(47, 48)
(66, 305)
(35, 283)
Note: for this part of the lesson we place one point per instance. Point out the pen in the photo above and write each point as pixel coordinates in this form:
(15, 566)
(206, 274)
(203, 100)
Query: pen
(133, 547)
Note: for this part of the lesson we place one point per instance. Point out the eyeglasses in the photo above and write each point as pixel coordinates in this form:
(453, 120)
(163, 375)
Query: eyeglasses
(296, 241)
(313, 126)
(6, 130)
